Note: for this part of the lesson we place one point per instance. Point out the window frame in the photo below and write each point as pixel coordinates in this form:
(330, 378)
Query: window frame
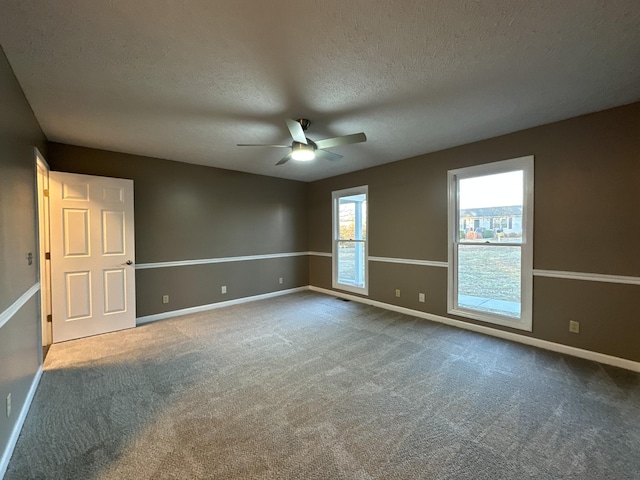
(526, 164)
(335, 221)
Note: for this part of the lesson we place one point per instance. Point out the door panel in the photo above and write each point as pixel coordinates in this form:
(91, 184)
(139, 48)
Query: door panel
(75, 190)
(78, 289)
(113, 194)
(115, 291)
(113, 237)
(75, 229)
(92, 241)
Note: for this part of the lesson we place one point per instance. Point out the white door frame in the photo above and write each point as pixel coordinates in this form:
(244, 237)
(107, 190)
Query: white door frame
(44, 264)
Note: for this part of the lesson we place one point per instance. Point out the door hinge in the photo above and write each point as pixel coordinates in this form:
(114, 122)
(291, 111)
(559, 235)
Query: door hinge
(47, 256)
(46, 192)
(49, 318)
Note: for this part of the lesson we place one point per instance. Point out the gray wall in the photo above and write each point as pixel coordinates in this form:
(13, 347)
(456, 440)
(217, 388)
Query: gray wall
(586, 220)
(188, 212)
(20, 350)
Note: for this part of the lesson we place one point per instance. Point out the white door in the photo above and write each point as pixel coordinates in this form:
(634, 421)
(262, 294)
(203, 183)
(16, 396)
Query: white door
(92, 255)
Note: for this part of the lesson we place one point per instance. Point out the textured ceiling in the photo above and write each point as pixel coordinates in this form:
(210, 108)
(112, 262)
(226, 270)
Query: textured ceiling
(187, 80)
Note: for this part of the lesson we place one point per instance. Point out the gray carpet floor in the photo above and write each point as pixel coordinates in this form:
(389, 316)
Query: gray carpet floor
(307, 386)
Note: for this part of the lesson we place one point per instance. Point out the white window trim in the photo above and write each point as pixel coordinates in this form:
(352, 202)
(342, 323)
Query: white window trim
(335, 196)
(521, 163)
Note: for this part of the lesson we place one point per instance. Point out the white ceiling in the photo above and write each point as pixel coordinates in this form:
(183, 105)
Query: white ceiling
(187, 80)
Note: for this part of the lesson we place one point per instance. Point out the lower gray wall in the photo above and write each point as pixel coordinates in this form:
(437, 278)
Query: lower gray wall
(20, 349)
(585, 220)
(192, 212)
(242, 279)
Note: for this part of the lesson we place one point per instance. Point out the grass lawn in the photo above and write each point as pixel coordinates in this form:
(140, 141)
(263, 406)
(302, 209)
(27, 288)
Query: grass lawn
(486, 271)
(490, 272)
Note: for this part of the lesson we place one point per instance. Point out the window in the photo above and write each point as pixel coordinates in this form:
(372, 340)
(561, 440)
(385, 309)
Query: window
(350, 249)
(491, 242)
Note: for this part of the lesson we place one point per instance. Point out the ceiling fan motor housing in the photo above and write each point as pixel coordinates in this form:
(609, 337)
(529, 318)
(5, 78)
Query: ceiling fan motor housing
(311, 145)
(304, 123)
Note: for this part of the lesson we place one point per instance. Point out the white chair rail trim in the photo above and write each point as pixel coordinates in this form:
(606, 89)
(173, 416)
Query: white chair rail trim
(205, 261)
(18, 304)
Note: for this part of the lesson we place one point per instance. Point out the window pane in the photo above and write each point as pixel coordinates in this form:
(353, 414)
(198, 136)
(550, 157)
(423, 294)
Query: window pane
(351, 263)
(352, 217)
(490, 208)
(489, 279)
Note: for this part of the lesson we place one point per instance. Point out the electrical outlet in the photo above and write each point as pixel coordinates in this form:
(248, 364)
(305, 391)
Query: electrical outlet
(397, 292)
(574, 327)
(165, 298)
(421, 297)
(223, 289)
(280, 280)
(8, 405)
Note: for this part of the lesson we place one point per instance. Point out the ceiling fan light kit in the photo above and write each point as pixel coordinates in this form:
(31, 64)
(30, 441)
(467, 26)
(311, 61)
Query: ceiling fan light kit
(302, 152)
(304, 149)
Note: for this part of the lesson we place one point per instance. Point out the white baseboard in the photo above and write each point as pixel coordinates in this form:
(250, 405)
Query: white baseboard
(535, 342)
(211, 306)
(13, 439)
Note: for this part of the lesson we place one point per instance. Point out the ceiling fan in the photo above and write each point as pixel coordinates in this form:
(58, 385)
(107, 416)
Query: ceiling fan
(304, 149)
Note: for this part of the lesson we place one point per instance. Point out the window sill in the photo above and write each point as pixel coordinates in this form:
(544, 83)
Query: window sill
(351, 289)
(523, 323)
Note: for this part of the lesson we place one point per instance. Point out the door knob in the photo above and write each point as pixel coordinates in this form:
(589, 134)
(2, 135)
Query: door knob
(128, 262)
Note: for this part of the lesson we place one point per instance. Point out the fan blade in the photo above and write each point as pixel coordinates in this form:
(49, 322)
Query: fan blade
(261, 145)
(284, 160)
(297, 133)
(328, 155)
(343, 140)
